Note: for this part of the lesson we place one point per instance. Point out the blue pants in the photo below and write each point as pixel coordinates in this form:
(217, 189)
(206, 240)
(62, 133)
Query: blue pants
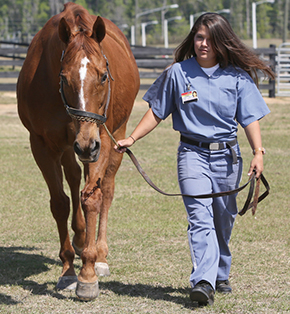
(211, 220)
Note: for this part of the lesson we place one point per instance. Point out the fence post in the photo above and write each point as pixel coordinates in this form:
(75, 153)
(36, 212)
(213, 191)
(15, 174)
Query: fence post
(272, 82)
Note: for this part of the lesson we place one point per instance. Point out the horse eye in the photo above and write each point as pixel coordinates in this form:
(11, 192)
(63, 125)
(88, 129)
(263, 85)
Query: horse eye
(63, 78)
(104, 78)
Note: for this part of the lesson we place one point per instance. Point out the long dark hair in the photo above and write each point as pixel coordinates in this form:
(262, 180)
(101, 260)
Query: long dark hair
(228, 47)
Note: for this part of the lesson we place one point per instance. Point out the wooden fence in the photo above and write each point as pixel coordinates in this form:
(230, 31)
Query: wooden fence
(151, 62)
(12, 56)
(157, 59)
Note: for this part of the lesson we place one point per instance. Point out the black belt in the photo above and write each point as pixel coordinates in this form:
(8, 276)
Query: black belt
(213, 146)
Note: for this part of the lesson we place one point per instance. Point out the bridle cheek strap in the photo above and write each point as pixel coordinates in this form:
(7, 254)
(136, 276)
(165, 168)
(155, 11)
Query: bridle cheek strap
(81, 115)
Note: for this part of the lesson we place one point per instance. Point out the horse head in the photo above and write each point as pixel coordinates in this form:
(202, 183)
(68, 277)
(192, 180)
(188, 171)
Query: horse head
(85, 82)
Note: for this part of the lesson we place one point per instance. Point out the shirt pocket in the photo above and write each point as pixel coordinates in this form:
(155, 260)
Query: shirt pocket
(227, 102)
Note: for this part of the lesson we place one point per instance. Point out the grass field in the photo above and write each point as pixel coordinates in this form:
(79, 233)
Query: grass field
(149, 256)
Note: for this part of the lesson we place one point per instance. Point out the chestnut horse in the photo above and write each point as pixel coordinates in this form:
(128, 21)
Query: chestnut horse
(88, 60)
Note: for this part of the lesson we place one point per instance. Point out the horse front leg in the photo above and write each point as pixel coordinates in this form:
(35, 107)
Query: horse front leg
(87, 285)
(73, 176)
(49, 163)
(101, 265)
(108, 187)
(91, 199)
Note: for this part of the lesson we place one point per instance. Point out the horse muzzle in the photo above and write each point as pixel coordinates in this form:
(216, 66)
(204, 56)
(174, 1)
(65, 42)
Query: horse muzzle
(87, 152)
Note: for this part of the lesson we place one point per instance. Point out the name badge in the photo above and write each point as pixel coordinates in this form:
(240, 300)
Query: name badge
(189, 96)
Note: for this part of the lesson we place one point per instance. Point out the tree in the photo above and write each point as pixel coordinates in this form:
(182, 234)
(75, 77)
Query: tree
(27, 16)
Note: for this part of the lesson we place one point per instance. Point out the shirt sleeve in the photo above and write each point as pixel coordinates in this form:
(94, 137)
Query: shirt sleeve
(251, 105)
(160, 95)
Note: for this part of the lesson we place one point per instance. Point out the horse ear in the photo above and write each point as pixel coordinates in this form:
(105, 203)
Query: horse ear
(99, 30)
(64, 31)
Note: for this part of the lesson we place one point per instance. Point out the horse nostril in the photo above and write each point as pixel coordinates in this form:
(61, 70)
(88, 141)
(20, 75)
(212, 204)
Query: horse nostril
(88, 151)
(77, 148)
(95, 146)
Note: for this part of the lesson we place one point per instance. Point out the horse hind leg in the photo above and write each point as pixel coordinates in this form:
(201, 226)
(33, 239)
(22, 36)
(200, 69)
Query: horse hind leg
(49, 163)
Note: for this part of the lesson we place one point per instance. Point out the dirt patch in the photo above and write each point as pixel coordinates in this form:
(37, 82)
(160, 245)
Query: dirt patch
(277, 100)
(10, 109)
(9, 95)
(8, 103)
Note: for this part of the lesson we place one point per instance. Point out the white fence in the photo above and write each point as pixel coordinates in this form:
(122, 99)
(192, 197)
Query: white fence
(283, 70)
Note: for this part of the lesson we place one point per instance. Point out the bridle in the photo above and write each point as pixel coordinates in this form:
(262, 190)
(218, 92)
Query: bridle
(86, 116)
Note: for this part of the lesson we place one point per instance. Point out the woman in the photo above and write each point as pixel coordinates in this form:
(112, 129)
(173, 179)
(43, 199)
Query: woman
(209, 90)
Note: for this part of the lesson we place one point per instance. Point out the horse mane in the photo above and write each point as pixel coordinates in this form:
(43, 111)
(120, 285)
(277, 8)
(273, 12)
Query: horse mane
(80, 22)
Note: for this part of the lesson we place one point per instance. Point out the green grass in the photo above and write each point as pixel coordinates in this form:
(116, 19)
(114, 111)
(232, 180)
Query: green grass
(149, 256)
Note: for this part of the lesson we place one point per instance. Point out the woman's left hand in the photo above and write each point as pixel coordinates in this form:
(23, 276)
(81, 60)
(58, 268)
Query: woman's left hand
(254, 137)
(257, 164)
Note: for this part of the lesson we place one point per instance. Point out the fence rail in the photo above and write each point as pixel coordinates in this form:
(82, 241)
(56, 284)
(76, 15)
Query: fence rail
(283, 70)
(157, 59)
(12, 56)
(151, 62)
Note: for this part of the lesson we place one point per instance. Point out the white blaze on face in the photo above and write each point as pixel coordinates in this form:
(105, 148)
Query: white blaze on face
(83, 73)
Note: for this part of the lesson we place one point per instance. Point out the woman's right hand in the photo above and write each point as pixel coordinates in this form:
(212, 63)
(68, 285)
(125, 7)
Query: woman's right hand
(123, 144)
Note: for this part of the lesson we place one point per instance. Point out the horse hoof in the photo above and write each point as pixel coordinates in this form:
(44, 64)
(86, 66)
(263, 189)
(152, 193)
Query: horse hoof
(87, 291)
(102, 269)
(78, 250)
(67, 283)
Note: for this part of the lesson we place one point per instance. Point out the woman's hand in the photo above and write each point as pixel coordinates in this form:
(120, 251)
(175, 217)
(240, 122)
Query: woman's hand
(257, 164)
(254, 137)
(123, 144)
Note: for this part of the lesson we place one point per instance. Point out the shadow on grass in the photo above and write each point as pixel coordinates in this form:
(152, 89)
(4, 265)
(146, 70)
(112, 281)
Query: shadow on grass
(17, 265)
(179, 296)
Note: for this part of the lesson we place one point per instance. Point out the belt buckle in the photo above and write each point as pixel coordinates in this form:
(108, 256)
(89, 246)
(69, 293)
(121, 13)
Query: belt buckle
(214, 146)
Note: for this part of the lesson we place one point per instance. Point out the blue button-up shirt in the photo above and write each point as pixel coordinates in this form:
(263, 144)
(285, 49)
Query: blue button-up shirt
(216, 103)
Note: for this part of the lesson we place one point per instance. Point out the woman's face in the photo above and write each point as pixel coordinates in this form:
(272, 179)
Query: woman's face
(205, 55)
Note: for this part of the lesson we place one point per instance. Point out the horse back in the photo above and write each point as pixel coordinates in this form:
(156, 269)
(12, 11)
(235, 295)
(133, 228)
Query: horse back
(38, 81)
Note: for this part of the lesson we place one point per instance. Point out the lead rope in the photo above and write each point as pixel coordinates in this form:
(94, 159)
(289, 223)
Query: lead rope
(111, 136)
(251, 180)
